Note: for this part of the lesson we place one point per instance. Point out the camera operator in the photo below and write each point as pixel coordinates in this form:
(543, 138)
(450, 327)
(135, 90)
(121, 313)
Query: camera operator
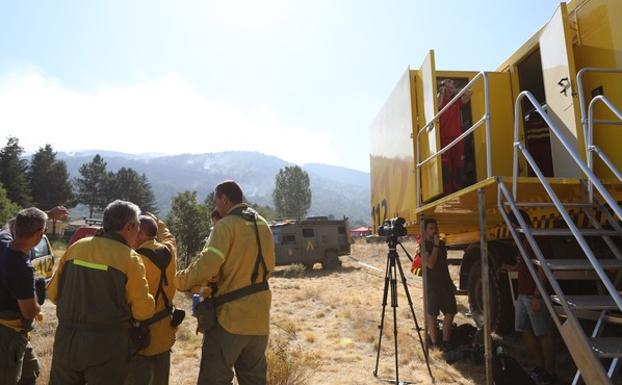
(440, 290)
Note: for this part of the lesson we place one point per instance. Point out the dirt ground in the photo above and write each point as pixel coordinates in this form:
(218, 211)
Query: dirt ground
(324, 330)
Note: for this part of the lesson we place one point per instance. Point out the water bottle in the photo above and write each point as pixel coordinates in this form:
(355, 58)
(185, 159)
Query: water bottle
(196, 299)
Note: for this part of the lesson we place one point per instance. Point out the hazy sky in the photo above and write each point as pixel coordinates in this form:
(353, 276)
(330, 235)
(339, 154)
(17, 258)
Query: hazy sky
(301, 80)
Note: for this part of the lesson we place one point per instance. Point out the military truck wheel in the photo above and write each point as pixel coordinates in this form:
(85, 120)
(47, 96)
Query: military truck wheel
(331, 261)
(309, 266)
(501, 305)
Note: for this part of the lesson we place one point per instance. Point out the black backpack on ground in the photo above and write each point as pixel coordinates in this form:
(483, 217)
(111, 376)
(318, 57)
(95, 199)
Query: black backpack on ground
(507, 371)
(463, 335)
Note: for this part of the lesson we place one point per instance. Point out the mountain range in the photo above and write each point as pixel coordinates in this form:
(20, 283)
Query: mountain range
(336, 191)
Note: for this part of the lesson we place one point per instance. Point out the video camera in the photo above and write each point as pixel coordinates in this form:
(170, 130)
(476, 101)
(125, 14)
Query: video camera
(393, 227)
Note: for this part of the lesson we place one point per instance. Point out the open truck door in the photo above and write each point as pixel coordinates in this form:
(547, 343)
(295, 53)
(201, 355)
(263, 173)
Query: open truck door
(428, 139)
(559, 74)
(392, 161)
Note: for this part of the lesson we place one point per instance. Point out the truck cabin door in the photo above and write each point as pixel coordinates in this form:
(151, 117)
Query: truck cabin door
(290, 252)
(309, 243)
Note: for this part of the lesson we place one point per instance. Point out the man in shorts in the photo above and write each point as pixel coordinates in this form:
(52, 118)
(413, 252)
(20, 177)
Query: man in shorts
(441, 288)
(532, 320)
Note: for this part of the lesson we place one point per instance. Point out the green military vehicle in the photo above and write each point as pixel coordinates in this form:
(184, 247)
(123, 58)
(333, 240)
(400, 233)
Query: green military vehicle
(313, 240)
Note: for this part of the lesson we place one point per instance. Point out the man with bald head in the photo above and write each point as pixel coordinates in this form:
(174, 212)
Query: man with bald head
(157, 248)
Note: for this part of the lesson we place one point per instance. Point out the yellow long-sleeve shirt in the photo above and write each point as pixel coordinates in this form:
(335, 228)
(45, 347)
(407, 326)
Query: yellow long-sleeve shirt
(100, 281)
(162, 333)
(229, 259)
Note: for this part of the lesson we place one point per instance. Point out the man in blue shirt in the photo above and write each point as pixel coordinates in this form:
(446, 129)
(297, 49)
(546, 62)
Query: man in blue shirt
(19, 305)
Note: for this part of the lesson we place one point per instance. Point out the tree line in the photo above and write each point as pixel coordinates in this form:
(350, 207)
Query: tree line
(44, 182)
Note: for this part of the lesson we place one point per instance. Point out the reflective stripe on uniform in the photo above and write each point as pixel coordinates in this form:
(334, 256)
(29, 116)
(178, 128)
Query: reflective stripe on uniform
(90, 265)
(217, 252)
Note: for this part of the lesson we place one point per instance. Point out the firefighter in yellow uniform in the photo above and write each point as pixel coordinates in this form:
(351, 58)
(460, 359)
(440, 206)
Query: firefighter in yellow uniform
(238, 257)
(98, 287)
(157, 247)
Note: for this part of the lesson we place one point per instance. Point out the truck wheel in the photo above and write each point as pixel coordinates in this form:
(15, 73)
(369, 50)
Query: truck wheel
(309, 266)
(501, 305)
(331, 261)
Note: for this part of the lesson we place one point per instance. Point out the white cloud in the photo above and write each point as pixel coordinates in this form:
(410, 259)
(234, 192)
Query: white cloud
(163, 115)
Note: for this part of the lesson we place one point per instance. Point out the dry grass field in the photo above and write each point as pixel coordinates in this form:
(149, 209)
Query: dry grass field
(324, 330)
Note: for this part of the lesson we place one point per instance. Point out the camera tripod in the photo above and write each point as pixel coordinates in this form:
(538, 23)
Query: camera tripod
(390, 284)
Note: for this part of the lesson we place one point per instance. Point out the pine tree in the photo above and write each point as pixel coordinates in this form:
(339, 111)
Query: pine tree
(190, 221)
(49, 180)
(8, 209)
(292, 194)
(91, 185)
(13, 173)
(148, 201)
(128, 185)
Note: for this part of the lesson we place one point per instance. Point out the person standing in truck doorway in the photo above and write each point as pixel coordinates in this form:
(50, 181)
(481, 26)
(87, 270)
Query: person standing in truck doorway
(451, 128)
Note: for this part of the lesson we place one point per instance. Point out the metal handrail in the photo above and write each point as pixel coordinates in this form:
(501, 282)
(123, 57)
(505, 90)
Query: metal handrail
(453, 142)
(567, 145)
(580, 74)
(502, 190)
(428, 127)
(592, 148)
(554, 198)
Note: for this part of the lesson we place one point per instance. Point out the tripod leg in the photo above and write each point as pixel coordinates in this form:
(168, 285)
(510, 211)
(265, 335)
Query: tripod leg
(412, 311)
(394, 306)
(384, 307)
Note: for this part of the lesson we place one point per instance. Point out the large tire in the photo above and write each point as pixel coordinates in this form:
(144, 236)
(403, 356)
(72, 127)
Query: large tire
(331, 261)
(501, 304)
(309, 265)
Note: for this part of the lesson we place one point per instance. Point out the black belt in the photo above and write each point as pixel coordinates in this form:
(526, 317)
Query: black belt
(240, 293)
(157, 317)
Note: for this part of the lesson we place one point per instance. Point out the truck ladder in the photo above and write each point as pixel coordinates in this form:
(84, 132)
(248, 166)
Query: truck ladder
(587, 121)
(590, 352)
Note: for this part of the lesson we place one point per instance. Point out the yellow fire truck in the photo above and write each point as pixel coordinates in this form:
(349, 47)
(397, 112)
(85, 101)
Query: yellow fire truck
(540, 135)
